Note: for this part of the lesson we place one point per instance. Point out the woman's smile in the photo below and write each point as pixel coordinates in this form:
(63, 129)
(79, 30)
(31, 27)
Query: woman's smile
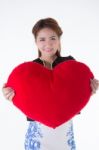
(48, 50)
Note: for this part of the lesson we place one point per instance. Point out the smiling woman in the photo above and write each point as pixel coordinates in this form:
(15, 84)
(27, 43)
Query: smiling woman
(47, 34)
(48, 41)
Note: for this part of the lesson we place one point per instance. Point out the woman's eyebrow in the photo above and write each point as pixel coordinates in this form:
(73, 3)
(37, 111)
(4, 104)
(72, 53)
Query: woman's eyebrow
(41, 37)
(53, 36)
(49, 37)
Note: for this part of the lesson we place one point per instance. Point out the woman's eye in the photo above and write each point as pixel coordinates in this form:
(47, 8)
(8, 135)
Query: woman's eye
(53, 39)
(42, 40)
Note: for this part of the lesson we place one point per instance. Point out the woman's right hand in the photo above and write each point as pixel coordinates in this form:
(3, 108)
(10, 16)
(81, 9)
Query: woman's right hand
(8, 92)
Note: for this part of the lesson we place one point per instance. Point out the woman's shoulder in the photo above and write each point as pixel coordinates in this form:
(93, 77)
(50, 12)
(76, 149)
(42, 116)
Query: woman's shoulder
(37, 60)
(67, 57)
(60, 59)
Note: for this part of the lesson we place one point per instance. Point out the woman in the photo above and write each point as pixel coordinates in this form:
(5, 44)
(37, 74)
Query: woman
(47, 34)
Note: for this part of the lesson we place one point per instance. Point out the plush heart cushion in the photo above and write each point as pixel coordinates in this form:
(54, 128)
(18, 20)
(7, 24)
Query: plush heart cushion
(51, 97)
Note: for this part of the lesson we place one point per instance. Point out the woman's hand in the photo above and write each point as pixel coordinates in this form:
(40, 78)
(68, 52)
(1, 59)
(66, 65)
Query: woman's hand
(94, 85)
(8, 92)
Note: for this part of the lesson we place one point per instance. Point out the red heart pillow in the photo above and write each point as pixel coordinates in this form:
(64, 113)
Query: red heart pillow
(51, 97)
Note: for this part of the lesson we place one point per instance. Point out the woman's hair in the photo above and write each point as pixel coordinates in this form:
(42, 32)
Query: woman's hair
(47, 23)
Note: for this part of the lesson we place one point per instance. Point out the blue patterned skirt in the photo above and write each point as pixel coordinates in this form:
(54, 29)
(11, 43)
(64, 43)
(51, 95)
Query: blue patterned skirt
(41, 137)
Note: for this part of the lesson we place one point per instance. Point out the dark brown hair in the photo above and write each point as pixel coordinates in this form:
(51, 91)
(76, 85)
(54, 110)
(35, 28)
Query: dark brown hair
(47, 23)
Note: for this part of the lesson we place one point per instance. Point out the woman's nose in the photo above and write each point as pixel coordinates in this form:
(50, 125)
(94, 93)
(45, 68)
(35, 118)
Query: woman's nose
(48, 43)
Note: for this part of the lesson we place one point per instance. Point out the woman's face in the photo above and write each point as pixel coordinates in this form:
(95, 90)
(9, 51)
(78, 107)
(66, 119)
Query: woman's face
(47, 42)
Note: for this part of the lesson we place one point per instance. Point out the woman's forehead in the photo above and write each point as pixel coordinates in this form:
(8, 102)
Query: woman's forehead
(46, 32)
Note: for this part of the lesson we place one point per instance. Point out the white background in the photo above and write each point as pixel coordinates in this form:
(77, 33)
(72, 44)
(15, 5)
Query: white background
(79, 20)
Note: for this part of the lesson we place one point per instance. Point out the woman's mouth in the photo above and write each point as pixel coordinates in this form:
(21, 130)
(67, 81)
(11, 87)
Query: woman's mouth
(48, 50)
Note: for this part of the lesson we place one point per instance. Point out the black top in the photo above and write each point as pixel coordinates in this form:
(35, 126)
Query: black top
(58, 60)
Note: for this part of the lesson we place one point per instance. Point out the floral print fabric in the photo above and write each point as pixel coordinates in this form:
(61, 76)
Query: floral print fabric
(41, 137)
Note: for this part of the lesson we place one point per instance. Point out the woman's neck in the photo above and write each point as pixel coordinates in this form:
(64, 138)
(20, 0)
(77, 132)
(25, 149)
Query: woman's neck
(48, 59)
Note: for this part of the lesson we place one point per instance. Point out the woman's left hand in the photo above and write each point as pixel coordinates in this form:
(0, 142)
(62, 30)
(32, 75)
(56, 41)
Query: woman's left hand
(94, 85)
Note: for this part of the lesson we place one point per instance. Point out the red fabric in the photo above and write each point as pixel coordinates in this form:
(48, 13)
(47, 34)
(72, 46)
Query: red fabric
(51, 97)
